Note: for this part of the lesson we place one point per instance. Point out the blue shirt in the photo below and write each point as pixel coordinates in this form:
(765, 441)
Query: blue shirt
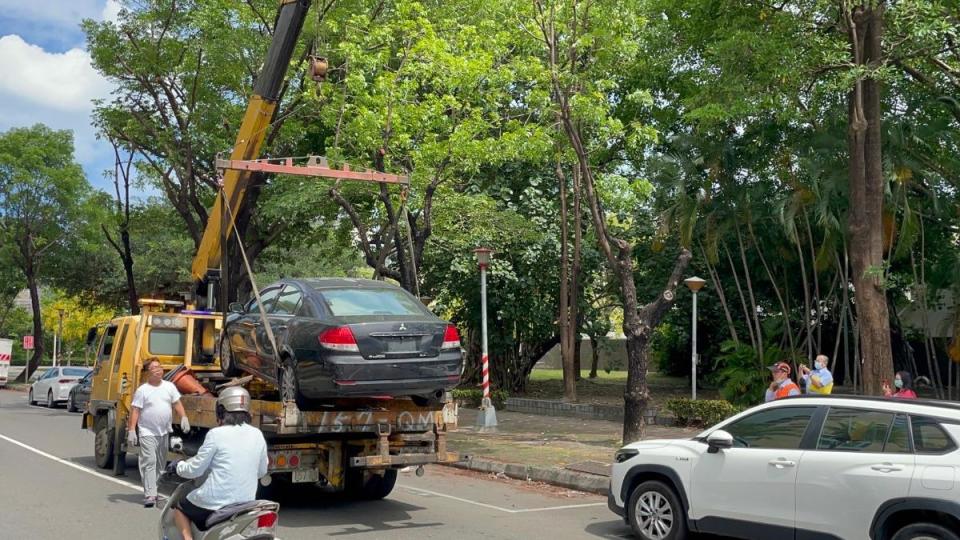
(235, 457)
(825, 377)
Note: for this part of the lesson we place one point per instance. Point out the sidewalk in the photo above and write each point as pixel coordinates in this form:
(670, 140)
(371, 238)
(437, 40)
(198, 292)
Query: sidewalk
(575, 452)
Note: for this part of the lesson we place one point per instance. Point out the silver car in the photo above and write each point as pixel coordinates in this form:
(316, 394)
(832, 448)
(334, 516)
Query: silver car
(54, 386)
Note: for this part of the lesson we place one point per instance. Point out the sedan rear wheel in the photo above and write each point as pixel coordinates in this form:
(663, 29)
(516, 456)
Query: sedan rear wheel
(289, 385)
(70, 406)
(30, 399)
(50, 402)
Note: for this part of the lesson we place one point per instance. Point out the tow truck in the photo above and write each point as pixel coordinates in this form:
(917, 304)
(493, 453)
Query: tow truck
(347, 445)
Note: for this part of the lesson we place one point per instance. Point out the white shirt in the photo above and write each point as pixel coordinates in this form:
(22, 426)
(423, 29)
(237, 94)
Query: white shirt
(156, 407)
(235, 457)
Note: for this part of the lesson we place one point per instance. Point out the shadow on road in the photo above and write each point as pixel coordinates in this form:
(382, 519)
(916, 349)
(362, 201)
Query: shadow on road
(609, 529)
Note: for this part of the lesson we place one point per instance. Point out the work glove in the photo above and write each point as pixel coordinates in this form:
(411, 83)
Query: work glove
(132, 437)
(172, 466)
(184, 425)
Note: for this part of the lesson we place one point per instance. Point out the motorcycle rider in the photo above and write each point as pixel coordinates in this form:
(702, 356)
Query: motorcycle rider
(235, 456)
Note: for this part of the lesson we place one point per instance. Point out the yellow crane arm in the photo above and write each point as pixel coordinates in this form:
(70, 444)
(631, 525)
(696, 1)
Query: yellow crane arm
(253, 130)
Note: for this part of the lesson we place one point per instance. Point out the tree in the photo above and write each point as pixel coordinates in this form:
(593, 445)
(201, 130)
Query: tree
(42, 193)
(122, 167)
(586, 47)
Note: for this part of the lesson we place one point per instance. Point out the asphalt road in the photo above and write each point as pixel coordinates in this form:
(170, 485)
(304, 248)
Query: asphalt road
(50, 488)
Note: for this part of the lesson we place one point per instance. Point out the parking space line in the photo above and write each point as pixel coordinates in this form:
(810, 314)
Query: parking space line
(39, 452)
(416, 490)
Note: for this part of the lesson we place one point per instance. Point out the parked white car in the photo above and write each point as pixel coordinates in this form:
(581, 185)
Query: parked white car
(811, 467)
(54, 386)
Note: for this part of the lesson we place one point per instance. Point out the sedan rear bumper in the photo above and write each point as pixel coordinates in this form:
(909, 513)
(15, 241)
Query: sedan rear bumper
(346, 375)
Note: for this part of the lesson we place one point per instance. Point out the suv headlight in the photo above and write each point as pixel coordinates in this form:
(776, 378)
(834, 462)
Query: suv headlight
(624, 454)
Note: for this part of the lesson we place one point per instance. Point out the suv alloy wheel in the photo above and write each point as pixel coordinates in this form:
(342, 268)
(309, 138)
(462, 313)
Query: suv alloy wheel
(925, 531)
(655, 512)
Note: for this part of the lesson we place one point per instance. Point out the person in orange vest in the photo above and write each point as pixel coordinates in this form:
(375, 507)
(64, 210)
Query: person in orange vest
(781, 386)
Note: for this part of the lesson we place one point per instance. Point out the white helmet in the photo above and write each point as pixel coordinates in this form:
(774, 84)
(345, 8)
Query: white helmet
(234, 399)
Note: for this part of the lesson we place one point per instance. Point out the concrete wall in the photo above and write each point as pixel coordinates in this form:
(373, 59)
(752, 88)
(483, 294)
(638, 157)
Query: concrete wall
(613, 352)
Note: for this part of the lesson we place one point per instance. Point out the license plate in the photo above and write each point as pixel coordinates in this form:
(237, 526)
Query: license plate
(402, 345)
(306, 475)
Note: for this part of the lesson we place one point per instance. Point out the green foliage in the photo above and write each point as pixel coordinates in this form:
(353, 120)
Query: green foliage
(702, 412)
(742, 376)
(472, 397)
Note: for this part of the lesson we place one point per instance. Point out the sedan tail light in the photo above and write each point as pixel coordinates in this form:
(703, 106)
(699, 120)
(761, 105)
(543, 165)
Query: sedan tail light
(64, 381)
(339, 339)
(451, 338)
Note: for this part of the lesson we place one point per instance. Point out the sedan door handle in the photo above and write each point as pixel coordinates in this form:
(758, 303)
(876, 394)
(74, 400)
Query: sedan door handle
(887, 468)
(781, 463)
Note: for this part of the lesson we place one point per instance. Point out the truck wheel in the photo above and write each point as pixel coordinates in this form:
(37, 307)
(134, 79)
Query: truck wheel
(369, 485)
(925, 531)
(103, 443)
(228, 364)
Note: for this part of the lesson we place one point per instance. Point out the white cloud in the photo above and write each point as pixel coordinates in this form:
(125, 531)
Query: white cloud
(111, 11)
(64, 81)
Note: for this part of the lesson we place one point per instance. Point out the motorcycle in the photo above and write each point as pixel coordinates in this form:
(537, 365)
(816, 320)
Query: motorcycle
(252, 520)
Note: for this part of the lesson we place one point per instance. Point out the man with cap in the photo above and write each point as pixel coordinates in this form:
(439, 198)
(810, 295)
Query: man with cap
(781, 386)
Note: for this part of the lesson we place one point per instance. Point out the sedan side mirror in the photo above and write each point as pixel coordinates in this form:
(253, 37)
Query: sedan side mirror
(719, 440)
(235, 307)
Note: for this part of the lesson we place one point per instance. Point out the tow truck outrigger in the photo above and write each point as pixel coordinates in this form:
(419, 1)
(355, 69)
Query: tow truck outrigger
(353, 445)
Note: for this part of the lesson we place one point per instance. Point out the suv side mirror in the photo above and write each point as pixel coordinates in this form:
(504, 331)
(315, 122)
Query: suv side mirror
(719, 440)
(235, 307)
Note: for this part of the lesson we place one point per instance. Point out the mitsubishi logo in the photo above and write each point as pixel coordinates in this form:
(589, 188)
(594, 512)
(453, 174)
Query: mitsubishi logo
(402, 327)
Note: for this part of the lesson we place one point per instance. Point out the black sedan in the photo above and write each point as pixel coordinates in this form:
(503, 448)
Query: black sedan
(80, 394)
(340, 338)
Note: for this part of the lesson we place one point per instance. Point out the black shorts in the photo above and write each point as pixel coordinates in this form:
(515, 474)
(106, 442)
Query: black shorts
(196, 514)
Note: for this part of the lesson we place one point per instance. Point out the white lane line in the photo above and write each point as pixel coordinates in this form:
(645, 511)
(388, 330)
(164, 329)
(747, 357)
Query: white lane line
(74, 465)
(420, 491)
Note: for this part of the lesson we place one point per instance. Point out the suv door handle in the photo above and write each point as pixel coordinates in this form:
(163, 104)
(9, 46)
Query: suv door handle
(887, 467)
(781, 463)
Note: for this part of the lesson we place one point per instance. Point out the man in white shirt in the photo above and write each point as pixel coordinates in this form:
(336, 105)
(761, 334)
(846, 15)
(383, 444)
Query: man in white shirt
(152, 414)
(234, 458)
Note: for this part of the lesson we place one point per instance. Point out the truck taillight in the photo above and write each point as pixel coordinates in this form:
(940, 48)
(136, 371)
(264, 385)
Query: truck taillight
(339, 339)
(451, 338)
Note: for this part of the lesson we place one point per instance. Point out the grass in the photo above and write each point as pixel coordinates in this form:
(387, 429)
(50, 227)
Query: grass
(607, 388)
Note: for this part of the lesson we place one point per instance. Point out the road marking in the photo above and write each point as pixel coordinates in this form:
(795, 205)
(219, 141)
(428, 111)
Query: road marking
(421, 491)
(74, 465)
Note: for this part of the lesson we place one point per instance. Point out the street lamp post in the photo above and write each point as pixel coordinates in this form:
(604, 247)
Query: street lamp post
(694, 284)
(60, 340)
(487, 419)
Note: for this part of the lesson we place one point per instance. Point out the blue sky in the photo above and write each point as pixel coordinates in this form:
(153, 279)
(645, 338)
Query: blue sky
(47, 76)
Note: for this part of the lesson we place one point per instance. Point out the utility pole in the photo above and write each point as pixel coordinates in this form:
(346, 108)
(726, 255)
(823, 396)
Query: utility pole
(487, 419)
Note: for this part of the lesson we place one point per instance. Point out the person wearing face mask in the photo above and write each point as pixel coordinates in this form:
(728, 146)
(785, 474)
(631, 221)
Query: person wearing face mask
(148, 427)
(818, 380)
(903, 382)
(781, 386)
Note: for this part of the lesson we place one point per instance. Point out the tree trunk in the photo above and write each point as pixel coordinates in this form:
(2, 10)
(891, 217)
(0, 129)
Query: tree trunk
(717, 286)
(865, 28)
(32, 285)
(575, 270)
(595, 356)
(566, 322)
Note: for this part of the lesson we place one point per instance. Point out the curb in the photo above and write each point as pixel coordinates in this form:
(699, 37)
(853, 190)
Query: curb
(579, 481)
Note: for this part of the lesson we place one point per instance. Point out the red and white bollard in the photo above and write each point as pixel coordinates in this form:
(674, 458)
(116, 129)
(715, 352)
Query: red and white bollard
(487, 419)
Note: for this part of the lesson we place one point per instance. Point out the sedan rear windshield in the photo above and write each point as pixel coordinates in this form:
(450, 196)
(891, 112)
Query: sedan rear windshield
(75, 372)
(360, 302)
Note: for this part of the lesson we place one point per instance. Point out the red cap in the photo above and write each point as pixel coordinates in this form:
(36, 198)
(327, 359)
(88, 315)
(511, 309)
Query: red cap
(780, 366)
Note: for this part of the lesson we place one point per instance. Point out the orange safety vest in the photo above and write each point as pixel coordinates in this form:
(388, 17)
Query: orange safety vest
(785, 389)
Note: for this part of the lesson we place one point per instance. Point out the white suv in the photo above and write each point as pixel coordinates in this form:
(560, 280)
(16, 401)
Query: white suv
(811, 467)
